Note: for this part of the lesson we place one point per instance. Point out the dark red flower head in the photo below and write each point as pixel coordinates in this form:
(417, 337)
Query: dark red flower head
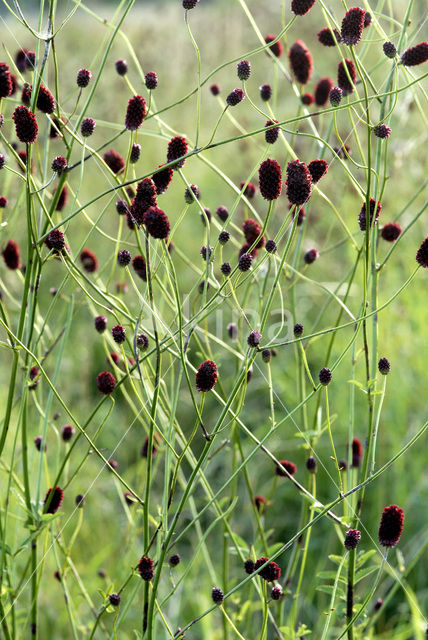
(11, 255)
(145, 198)
(114, 598)
(325, 376)
(343, 81)
(89, 260)
(135, 113)
(254, 339)
(83, 78)
(288, 466)
(252, 231)
(100, 323)
(298, 183)
(177, 147)
(260, 504)
(215, 89)
(325, 36)
(352, 26)
(6, 84)
(55, 498)
(162, 179)
(389, 49)
(67, 432)
(135, 154)
(307, 99)
(156, 223)
(243, 69)
(55, 240)
(245, 260)
(335, 96)
(357, 452)
(106, 382)
(271, 135)
(311, 464)
(191, 193)
(391, 231)
(25, 124)
(382, 131)
(271, 246)
(352, 539)
(118, 333)
(322, 91)
(140, 267)
(145, 568)
(275, 48)
(21, 60)
(265, 92)
(223, 213)
(367, 19)
(121, 67)
(190, 4)
(384, 366)
(271, 571)
(3, 202)
(123, 258)
(317, 169)
(217, 595)
(301, 61)
(114, 161)
(151, 80)
(270, 178)
(62, 200)
(301, 7)
(422, 254)
(391, 526)
(87, 127)
(45, 100)
(362, 217)
(249, 566)
(235, 97)
(415, 55)
(206, 376)
(249, 191)
(59, 164)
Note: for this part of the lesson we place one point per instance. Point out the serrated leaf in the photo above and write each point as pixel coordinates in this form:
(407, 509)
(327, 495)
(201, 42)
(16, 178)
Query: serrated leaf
(329, 575)
(273, 548)
(325, 588)
(335, 559)
(362, 573)
(362, 559)
(303, 630)
(357, 384)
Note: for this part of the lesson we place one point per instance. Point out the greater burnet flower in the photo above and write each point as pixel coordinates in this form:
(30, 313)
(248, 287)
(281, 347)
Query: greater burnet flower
(222, 213)
(226, 269)
(391, 526)
(250, 189)
(191, 193)
(271, 135)
(123, 257)
(34, 377)
(135, 113)
(301, 61)
(59, 164)
(245, 262)
(3, 202)
(298, 330)
(151, 80)
(224, 237)
(415, 55)
(389, 49)
(6, 84)
(299, 182)
(367, 19)
(89, 260)
(55, 240)
(271, 246)
(140, 267)
(352, 26)
(206, 376)
(215, 89)
(384, 366)
(67, 432)
(301, 7)
(53, 500)
(87, 127)
(122, 207)
(362, 216)
(190, 4)
(270, 572)
(22, 60)
(276, 592)
(206, 252)
(288, 466)
(260, 504)
(118, 333)
(177, 147)
(335, 96)
(391, 231)
(382, 131)
(343, 81)
(266, 355)
(276, 48)
(325, 376)
(174, 560)
(11, 255)
(100, 323)
(252, 231)
(307, 99)
(217, 595)
(156, 223)
(249, 566)
(352, 539)
(235, 97)
(322, 91)
(106, 382)
(317, 169)
(38, 441)
(25, 124)
(357, 452)
(254, 339)
(265, 92)
(325, 37)
(135, 154)
(83, 77)
(145, 568)
(121, 67)
(270, 178)
(162, 179)
(243, 69)
(311, 464)
(114, 599)
(2, 160)
(114, 161)
(422, 254)
(142, 341)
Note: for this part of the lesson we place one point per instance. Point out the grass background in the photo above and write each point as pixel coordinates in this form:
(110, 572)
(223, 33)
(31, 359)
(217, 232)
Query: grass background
(110, 534)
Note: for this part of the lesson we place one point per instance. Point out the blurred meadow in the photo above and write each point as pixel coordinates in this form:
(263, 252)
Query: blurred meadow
(109, 532)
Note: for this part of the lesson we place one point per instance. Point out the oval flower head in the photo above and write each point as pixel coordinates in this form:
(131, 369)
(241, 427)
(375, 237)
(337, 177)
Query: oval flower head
(206, 376)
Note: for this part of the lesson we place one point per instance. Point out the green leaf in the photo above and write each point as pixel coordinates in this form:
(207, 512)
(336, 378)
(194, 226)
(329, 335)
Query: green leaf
(362, 573)
(362, 559)
(329, 575)
(335, 559)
